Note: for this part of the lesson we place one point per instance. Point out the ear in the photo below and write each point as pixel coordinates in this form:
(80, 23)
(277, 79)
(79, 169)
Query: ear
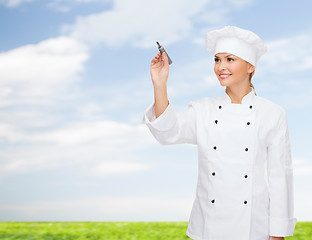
(251, 68)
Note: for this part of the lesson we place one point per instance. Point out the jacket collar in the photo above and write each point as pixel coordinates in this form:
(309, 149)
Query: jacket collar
(248, 98)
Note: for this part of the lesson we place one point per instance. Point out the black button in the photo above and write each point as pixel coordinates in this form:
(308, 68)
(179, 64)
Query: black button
(250, 107)
(212, 200)
(245, 202)
(246, 176)
(220, 107)
(248, 123)
(246, 149)
(215, 147)
(216, 121)
(213, 173)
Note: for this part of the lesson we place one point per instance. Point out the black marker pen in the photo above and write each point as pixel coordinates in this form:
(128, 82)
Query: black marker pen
(161, 50)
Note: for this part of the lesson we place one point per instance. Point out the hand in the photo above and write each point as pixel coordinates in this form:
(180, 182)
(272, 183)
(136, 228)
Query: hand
(277, 238)
(160, 69)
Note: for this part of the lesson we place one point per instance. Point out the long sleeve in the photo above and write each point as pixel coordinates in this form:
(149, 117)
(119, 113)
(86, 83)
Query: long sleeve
(280, 179)
(170, 127)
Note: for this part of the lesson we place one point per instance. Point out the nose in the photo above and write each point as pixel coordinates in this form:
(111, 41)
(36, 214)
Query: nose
(222, 65)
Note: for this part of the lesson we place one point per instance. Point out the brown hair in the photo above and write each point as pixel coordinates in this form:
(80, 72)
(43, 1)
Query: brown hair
(251, 85)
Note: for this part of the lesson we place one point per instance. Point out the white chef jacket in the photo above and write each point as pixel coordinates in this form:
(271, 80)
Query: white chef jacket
(245, 175)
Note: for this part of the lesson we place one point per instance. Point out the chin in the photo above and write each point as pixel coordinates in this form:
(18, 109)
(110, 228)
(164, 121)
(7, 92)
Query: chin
(223, 84)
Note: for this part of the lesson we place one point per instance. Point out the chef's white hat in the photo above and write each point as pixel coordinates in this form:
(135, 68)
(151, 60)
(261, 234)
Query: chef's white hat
(239, 42)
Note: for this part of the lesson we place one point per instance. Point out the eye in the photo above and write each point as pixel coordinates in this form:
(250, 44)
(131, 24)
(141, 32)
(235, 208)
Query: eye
(230, 59)
(217, 60)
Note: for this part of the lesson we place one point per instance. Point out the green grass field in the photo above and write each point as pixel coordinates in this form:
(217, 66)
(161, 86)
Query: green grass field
(112, 230)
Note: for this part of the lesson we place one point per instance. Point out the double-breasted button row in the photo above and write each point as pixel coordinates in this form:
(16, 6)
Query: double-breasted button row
(213, 201)
(250, 106)
(216, 122)
(215, 148)
(246, 150)
(214, 174)
(220, 107)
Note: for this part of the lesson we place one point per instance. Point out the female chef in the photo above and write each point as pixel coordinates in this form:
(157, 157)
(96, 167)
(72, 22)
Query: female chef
(245, 176)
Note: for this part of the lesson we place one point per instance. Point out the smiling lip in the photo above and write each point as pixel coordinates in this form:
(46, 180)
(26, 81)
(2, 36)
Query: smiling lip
(224, 76)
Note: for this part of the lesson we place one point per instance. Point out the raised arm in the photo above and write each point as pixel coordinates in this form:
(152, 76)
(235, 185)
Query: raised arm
(159, 74)
(165, 125)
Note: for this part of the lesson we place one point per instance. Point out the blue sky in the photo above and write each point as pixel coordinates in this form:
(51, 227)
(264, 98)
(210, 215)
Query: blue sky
(75, 82)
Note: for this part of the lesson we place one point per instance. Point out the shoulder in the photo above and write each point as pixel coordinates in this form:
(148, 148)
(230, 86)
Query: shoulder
(271, 112)
(270, 106)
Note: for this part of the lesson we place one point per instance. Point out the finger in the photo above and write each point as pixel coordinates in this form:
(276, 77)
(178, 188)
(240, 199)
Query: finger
(164, 57)
(155, 60)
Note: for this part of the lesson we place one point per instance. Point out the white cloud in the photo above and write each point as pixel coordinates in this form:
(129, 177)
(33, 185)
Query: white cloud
(112, 168)
(62, 5)
(101, 145)
(108, 208)
(81, 1)
(42, 70)
(14, 3)
(89, 109)
(67, 5)
(107, 132)
(9, 132)
(289, 54)
(283, 70)
(143, 22)
(302, 167)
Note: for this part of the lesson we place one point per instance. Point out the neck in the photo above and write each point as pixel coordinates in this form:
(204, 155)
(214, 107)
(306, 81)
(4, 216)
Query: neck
(237, 93)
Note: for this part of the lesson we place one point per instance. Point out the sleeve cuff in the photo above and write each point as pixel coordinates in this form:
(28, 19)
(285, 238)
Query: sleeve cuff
(282, 227)
(164, 122)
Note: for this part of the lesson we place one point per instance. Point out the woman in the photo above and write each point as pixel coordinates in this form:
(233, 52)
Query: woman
(245, 179)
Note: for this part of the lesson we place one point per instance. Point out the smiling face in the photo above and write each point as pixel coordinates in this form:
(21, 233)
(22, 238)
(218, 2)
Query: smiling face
(232, 70)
